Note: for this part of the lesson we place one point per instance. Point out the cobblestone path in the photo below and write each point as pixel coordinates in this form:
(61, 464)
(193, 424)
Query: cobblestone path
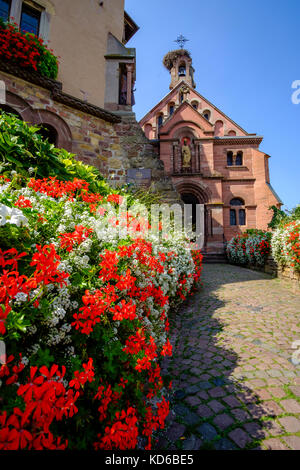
(234, 382)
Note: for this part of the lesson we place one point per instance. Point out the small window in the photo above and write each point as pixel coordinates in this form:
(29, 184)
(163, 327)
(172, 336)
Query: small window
(181, 97)
(195, 105)
(237, 202)
(229, 159)
(206, 114)
(182, 70)
(239, 158)
(232, 217)
(171, 109)
(160, 120)
(5, 9)
(242, 217)
(30, 19)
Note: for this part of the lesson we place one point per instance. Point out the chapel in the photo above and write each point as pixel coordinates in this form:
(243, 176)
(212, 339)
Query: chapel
(210, 158)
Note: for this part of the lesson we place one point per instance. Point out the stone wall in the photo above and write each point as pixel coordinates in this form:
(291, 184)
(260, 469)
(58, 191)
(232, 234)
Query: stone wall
(282, 272)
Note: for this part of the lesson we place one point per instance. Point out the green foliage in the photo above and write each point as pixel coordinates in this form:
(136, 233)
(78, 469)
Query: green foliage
(260, 233)
(280, 218)
(144, 196)
(48, 65)
(25, 151)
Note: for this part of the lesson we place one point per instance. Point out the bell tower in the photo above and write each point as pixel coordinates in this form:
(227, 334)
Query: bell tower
(179, 64)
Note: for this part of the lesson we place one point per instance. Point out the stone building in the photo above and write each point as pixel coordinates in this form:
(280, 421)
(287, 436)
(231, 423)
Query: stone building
(210, 158)
(88, 109)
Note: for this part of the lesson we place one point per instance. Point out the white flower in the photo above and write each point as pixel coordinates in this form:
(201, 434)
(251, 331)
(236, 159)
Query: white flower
(21, 297)
(4, 187)
(12, 216)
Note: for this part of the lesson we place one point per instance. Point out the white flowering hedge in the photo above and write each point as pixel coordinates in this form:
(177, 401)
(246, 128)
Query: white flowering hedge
(76, 295)
(250, 248)
(85, 291)
(286, 244)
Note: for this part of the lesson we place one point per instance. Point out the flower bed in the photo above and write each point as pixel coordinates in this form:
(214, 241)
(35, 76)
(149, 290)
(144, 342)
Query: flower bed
(84, 317)
(286, 245)
(27, 51)
(250, 248)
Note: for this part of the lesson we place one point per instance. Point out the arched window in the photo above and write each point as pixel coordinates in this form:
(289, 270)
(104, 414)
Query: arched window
(237, 202)
(229, 158)
(181, 97)
(171, 108)
(182, 70)
(49, 132)
(232, 133)
(195, 104)
(206, 114)
(239, 158)
(160, 120)
(232, 217)
(237, 215)
(242, 217)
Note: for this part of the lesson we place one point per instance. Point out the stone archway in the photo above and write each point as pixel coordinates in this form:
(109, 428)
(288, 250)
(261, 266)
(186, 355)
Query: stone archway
(41, 117)
(195, 193)
(53, 122)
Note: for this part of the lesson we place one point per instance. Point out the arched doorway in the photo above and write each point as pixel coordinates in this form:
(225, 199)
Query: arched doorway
(191, 199)
(194, 193)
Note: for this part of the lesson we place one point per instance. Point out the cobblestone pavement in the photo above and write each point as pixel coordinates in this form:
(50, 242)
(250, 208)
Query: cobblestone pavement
(234, 382)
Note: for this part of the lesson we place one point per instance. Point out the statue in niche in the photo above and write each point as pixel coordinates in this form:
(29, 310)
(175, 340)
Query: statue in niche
(185, 91)
(186, 155)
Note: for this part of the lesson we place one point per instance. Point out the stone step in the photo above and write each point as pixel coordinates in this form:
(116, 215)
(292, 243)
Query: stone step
(214, 258)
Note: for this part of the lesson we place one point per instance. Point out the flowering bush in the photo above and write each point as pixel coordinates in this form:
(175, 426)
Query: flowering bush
(26, 50)
(23, 150)
(286, 244)
(249, 248)
(84, 317)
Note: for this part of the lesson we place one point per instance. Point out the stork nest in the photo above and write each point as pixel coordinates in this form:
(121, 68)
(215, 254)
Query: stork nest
(172, 56)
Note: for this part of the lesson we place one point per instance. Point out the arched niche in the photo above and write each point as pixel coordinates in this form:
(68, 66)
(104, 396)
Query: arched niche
(148, 131)
(219, 128)
(49, 120)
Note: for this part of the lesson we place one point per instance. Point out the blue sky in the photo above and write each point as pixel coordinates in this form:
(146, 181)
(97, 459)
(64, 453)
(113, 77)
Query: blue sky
(246, 56)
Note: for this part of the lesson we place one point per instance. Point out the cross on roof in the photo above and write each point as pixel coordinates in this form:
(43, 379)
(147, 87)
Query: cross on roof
(181, 40)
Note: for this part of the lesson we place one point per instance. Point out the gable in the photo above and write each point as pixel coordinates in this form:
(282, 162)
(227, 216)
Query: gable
(172, 96)
(185, 114)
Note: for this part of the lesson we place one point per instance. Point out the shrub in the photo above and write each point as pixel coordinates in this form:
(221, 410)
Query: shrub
(27, 51)
(23, 150)
(252, 247)
(286, 244)
(83, 311)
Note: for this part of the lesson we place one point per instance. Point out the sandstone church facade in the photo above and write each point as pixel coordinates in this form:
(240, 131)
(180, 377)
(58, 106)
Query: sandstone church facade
(210, 158)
